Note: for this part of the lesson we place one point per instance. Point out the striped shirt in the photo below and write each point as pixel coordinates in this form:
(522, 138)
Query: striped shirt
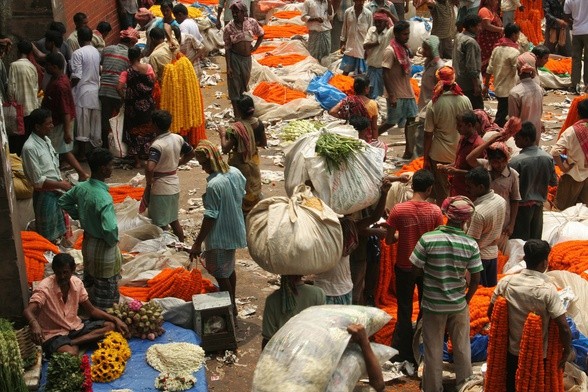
(445, 254)
(115, 59)
(222, 202)
(487, 223)
(412, 219)
(23, 85)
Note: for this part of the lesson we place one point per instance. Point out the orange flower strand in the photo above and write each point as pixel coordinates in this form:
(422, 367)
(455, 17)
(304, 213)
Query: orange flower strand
(553, 373)
(343, 83)
(281, 60)
(571, 256)
(284, 31)
(497, 348)
(559, 66)
(530, 356)
(276, 93)
(286, 14)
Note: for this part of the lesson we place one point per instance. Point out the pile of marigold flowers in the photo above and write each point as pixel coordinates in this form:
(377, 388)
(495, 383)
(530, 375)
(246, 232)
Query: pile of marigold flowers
(110, 359)
(34, 247)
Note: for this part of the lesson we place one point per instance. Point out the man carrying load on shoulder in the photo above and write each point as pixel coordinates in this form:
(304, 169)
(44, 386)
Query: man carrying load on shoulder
(531, 291)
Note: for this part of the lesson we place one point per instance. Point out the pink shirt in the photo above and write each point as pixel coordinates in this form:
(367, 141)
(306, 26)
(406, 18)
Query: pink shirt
(124, 74)
(55, 317)
(412, 219)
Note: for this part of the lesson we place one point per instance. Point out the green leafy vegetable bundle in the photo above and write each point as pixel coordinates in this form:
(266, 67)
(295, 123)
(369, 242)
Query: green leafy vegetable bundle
(337, 149)
(11, 367)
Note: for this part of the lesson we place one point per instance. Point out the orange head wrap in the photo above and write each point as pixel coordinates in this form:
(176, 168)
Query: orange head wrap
(131, 34)
(446, 77)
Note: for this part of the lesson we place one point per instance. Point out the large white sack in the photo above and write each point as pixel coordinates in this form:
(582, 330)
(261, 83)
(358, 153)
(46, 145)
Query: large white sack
(355, 187)
(568, 225)
(419, 31)
(399, 193)
(577, 307)
(304, 353)
(352, 367)
(286, 237)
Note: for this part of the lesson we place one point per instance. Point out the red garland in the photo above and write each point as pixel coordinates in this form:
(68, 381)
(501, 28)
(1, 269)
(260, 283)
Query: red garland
(87, 385)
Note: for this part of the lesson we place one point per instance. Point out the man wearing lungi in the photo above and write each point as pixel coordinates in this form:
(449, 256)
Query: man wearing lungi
(91, 204)
(41, 167)
(238, 36)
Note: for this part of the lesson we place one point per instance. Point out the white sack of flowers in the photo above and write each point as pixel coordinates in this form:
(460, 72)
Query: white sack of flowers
(299, 235)
(305, 352)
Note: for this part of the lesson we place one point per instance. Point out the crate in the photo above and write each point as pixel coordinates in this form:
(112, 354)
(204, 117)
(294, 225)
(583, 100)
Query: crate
(211, 305)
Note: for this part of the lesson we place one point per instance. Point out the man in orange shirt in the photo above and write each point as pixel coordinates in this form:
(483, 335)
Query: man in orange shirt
(52, 312)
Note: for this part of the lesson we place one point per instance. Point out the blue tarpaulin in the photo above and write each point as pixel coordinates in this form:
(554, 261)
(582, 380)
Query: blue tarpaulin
(138, 375)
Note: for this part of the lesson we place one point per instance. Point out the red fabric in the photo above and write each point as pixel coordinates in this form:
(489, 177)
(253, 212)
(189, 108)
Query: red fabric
(412, 219)
(59, 99)
(487, 39)
(507, 42)
(401, 52)
(581, 130)
(464, 148)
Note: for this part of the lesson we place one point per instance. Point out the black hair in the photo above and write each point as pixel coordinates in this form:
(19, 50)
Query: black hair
(246, 105)
(528, 131)
(168, 4)
(360, 83)
(24, 47)
(471, 21)
(400, 26)
(79, 18)
(54, 36)
(104, 27)
(157, 33)
(422, 180)
(55, 59)
(495, 154)
(511, 29)
(359, 123)
(180, 9)
(38, 116)
(479, 176)
(57, 26)
(85, 34)
(99, 157)
(62, 259)
(468, 117)
(536, 252)
(583, 109)
(541, 51)
(134, 53)
(162, 119)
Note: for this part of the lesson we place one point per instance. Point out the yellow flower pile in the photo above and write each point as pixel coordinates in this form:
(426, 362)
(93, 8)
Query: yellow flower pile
(110, 359)
(193, 12)
(181, 96)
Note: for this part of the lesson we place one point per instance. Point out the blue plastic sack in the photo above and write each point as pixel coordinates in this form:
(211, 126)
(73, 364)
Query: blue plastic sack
(575, 333)
(328, 96)
(581, 348)
(478, 345)
(415, 69)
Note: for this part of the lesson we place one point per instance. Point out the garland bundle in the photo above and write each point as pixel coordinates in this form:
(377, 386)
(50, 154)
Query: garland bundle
(571, 256)
(286, 14)
(121, 192)
(110, 359)
(274, 92)
(530, 371)
(170, 282)
(530, 20)
(553, 373)
(495, 380)
(281, 60)
(343, 83)
(181, 96)
(284, 31)
(34, 247)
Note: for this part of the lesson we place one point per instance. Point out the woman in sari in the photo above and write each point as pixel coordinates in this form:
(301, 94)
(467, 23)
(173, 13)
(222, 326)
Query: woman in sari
(136, 88)
(491, 30)
(359, 105)
(241, 142)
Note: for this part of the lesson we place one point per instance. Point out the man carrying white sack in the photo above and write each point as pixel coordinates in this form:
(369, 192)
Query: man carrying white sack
(443, 256)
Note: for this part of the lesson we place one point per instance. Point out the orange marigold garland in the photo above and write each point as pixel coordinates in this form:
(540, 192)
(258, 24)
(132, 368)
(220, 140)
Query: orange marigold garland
(530, 370)
(34, 247)
(274, 61)
(495, 380)
(571, 256)
(121, 192)
(343, 83)
(276, 93)
(553, 373)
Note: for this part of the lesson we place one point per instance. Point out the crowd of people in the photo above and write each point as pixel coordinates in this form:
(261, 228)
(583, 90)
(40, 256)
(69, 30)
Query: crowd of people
(483, 182)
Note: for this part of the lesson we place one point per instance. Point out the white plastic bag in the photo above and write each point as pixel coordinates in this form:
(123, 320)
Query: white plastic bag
(352, 367)
(354, 187)
(132, 223)
(304, 353)
(115, 139)
(567, 225)
(286, 237)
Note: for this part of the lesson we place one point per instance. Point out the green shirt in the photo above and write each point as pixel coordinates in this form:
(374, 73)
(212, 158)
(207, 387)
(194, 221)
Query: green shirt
(274, 319)
(445, 254)
(91, 204)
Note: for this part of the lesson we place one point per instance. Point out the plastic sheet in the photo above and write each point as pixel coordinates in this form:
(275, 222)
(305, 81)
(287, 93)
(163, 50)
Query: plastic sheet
(286, 237)
(138, 375)
(304, 353)
(147, 265)
(570, 224)
(577, 307)
(328, 96)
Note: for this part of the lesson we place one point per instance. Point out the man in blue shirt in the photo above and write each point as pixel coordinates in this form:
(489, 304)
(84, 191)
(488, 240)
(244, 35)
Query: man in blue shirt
(223, 226)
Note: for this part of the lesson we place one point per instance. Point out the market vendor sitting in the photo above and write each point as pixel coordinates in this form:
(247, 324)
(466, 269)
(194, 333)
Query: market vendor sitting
(52, 312)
